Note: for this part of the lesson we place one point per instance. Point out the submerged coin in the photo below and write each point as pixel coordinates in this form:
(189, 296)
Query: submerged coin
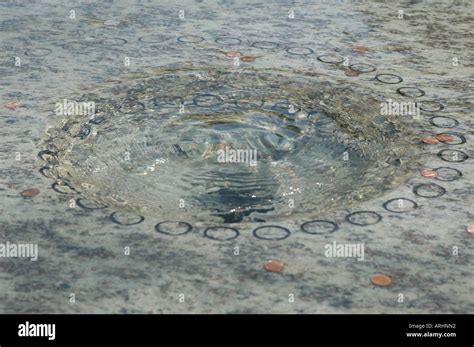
(360, 49)
(248, 58)
(444, 138)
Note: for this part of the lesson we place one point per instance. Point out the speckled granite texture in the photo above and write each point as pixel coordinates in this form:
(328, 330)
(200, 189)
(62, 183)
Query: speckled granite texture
(81, 251)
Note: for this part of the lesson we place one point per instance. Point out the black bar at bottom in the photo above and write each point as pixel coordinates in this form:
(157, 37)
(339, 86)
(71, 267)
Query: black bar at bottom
(452, 330)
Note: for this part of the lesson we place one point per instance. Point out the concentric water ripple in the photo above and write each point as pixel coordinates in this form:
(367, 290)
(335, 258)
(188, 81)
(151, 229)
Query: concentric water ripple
(160, 144)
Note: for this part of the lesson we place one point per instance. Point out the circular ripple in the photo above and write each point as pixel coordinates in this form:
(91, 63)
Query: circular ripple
(330, 59)
(400, 205)
(430, 105)
(87, 205)
(265, 45)
(63, 188)
(299, 50)
(38, 52)
(113, 41)
(190, 39)
(362, 68)
(452, 155)
(389, 78)
(318, 227)
(173, 228)
(220, 233)
(126, 219)
(155, 38)
(429, 190)
(411, 92)
(165, 104)
(447, 174)
(228, 40)
(271, 232)
(47, 155)
(249, 104)
(460, 138)
(443, 122)
(363, 218)
(226, 144)
(45, 171)
(75, 46)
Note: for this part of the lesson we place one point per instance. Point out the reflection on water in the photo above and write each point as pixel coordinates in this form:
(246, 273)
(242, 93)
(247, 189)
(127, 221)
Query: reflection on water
(219, 144)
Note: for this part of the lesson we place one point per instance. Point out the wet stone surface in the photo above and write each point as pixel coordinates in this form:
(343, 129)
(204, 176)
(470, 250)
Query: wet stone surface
(93, 202)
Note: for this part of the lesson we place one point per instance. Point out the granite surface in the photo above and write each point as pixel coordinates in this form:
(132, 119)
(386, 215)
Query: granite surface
(426, 250)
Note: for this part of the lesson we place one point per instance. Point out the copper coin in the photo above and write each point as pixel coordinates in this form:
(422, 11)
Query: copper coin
(444, 138)
(12, 105)
(429, 173)
(352, 73)
(381, 280)
(470, 229)
(30, 193)
(233, 54)
(360, 49)
(274, 266)
(429, 140)
(247, 58)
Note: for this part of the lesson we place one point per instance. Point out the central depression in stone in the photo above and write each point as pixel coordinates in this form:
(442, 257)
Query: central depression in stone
(226, 146)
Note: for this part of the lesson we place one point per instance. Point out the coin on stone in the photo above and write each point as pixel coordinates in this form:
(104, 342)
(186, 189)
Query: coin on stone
(352, 73)
(429, 173)
(444, 138)
(30, 193)
(247, 58)
(429, 140)
(381, 280)
(360, 49)
(13, 105)
(274, 266)
(233, 54)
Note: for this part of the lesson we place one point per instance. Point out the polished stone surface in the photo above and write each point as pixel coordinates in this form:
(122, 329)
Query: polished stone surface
(426, 251)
